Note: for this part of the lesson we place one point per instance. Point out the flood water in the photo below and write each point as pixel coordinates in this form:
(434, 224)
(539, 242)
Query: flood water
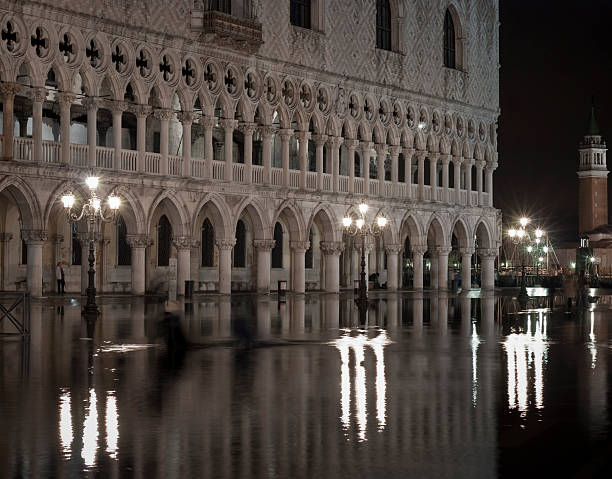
(427, 386)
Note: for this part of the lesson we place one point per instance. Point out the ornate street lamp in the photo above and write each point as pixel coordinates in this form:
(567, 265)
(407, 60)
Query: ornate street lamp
(93, 212)
(360, 227)
(520, 236)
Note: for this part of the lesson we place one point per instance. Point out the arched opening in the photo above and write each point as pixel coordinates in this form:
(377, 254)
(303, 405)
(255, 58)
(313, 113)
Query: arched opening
(300, 13)
(407, 264)
(452, 42)
(124, 251)
(383, 25)
(207, 244)
(76, 248)
(277, 251)
(164, 241)
(240, 246)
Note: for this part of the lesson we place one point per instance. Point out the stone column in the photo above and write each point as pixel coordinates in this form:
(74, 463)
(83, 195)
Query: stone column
(468, 179)
(392, 266)
(381, 154)
(394, 152)
(408, 154)
(334, 145)
(320, 144)
(285, 135)
(228, 126)
(433, 175)
(183, 245)
(266, 151)
(186, 118)
(303, 137)
(164, 123)
(491, 167)
(117, 108)
(65, 100)
(247, 130)
(138, 245)
(34, 239)
(141, 112)
(264, 249)
(442, 253)
(445, 161)
(8, 91)
(92, 104)
(417, 259)
(457, 160)
(5, 239)
(479, 167)
(351, 145)
(225, 264)
(366, 147)
(208, 122)
(39, 95)
(466, 268)
(332, 250)
(487, 267)
(421, 173)
(298, 249)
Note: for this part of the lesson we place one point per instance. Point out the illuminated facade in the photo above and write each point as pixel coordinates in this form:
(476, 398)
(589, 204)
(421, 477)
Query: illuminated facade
(238, 137)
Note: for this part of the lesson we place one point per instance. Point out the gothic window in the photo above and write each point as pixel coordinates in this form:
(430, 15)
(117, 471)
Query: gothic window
(308, 256)
(449, 41)
(75, 246)
(208, 244)
(164, 239)
(124, 251)
(240, 247)
(300, 13)
(223, 6)
(383, 25)
(277, 251)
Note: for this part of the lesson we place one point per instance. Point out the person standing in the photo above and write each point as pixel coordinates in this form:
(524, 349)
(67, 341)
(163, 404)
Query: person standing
(59, 276)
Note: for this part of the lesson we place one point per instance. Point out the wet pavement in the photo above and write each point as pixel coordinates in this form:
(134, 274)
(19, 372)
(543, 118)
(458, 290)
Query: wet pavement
(250, 386)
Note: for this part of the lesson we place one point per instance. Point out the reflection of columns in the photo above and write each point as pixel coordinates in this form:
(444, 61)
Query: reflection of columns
(138, 245)
(332, 250)
(186, 118)
(445, 160)
(266, 152)
(208, 122)
(433, 175)
(164, 124)
(394, 152)
(381, 154)
(141, 112)
(225, 264)
(392, 265)
(479, 167)
(320, 144)
(65, 100)
(39, 95)
(263, 317)
(420, 155)
(303, 137)
(350, 146)
(457, 160)
(264, 248)
(442, 253)
(466, 268)
(8, 91)
(487, 267)
(228, 126)
(334, 143)
(183, 245)
(489, 182)
(285, 135)
(34, 239)
(5, 238)
(417, 260)
(247, 130)
(92, 129)
(366, 148)
(468, 179)
(298, 248)
(117, 108)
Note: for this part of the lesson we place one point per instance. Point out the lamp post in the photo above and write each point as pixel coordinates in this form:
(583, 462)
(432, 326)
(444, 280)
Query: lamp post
(93, 212)
(520, 236)
(360, 227)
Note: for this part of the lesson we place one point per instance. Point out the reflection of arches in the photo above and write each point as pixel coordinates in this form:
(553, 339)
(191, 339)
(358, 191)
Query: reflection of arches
(207, 244)
(277, 251)
(164, 241)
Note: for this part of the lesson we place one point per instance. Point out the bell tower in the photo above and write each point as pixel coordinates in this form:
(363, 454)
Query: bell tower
(592, 179)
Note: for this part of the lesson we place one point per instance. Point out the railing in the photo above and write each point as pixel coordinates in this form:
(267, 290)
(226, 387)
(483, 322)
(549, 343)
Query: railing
(343, 184)
(152, 161)
(426, 193)
(327, 182)
(258, 174)
(388, 189)
(373, 187)
(474, 197)
(403, 189)
(463, 197)
(129, 160)
(104, 157)
(175, 165)
(486, 199)
(450, 195)
(439, 193)
(15, 307)
(414, 191)
(22, 148)
(359, 186)
(294, 178)
(79, 155)
(277, 176)
(311, 180)
(218, 170)
(50, 152)
(238, 172)
(198, 168)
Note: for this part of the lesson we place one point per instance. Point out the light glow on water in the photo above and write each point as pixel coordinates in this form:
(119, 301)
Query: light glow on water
(90, 431)
(592, 344)
(65, 423)
(112, 425)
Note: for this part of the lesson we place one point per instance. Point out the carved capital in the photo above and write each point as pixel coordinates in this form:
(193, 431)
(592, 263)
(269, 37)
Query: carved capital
(480, 164)
(91, 103)
(445, 159)
(381, 149)
(208, 121)
(225, 244)
(285, 134)
(420, 155)
(34, 236)
(186, 117)
(393, 248)
(139, 241)
(319, 139)
(443, 250)
(117, 106)
(332, 247)
(228, 123)
(491, 167)
(57, 239)
(247, 128)
(163, 114)
(418, 249)
(183, 242)
(457, 160)
(299, 246)
(66, 99)
(302, 135)
(6, 237)
(351, 144)
(466, 251)
(488, 252)
(335, 141)
(9, 90)
(141, 111)
(366, 146)
(267, 131)
(263, 244)
(38, 95)
(408, 152)
(394, 151)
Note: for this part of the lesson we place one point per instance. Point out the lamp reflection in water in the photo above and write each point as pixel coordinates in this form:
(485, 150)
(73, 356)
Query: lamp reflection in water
(65, 423)
(90, 431)
(112, 425)
(357, 343)
(592, 344)
(522, 351)
(475, 342)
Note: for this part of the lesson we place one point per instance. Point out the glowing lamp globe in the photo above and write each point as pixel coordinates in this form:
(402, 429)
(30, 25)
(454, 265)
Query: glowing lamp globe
(382, 221)
(359, 223)
(114, 202)
(363, 208)
(92, 182)
(347, 221)
(68, 200)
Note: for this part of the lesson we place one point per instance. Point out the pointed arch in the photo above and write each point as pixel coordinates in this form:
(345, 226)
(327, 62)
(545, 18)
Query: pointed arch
(482, 234)
(437, 235)
(251, 209)
(26, 200)
(411, 228)
(179, 218)
(461, 232)
(136, 218)
(293, 218)
(327, 221)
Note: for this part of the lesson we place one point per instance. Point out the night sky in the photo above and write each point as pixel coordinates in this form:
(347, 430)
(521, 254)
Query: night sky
(554, 57)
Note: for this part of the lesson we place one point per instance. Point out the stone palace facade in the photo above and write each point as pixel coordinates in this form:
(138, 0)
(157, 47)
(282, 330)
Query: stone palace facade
(239, 134)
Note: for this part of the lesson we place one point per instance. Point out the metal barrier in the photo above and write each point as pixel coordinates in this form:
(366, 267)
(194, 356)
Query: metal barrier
(13, 305)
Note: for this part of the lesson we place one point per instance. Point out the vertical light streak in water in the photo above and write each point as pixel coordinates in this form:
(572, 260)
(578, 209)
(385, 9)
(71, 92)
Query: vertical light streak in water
(90, 431)
(592, 342)
(361, 412)
(475, 342)
(378, 346)
(65, 423)
(537, 349)
(112, 425)
(511, 355)
(345, 382)
(521, 373)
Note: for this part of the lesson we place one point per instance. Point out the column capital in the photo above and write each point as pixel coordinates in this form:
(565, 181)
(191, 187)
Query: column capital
(468, 162)
(225, 244)
(319, 139)
(6, 237)
(34, 237)
(335, 141)
(408, 152)
(332, 247)
(66, 99)
(267, 131)
(381, 149)
(208, 121)
(163, 114)
(228, 123)
(393, 248)
(264, 244)
(457, 160)
(468, 251)
(394, 151)
(117, 106)
(445, 159)
(92, 103)
(57, 239)
(420, 154)
(302, 135)
(38, 94)
(443, 250)
(141, 111)
(351, 144)
(433, 156)
(184, 242)
(285, 133)
(299, 246)
(186, 117)
(247, 128)
(9, 90)
(418, 249)
(491, 166)
(488, 252)
(480, 164)
(139, 241)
